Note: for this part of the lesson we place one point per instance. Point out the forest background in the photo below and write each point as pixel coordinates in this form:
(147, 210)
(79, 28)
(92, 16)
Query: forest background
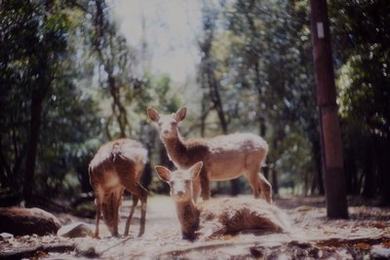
(75, 74)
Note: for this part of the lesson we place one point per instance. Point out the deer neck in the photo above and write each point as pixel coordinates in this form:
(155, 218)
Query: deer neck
(188, 215)
(177, 150)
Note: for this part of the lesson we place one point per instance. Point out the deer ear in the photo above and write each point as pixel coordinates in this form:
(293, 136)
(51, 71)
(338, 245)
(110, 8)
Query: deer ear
(181, 114)
(195, 169)
(163, 173)
(153, 114)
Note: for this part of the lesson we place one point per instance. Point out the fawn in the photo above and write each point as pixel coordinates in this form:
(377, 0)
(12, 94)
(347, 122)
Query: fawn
(217, 217)
(225, 157)
(118, 165)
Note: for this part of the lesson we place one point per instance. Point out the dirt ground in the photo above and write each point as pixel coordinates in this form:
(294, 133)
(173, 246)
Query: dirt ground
(365, 235)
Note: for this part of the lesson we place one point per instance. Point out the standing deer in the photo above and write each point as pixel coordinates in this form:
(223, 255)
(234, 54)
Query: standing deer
(217, 217)
(225, 157)
(118, 165)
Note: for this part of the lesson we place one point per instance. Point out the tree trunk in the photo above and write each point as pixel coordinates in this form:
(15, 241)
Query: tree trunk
(102, 36)
(164, 160)
(384, 171)
(213, 84)
(39, 91)
(317, 183)
(118, 110)
(36, 117)
(336, 200)
(351, 172)
(275, 185)
(369, 189)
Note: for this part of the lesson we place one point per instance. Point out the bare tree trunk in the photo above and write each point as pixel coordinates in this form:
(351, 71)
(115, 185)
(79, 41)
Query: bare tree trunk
(255, 62)
(36, 117)
(369, 188)
(384, 170)
(118, 110)
(306, 184)
(208, 78)
(203, 117)
(214, 88)
(351, 172)
(39, 91)
(103, 39)
(275, 184)
(317, 183)
(336, 200)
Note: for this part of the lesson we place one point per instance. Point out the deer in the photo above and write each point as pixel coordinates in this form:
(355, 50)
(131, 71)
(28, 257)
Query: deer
(218, 217)
(117, 166)
(225, 157)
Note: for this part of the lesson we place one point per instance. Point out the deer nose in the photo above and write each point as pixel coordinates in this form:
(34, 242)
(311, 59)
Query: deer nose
(180, 193)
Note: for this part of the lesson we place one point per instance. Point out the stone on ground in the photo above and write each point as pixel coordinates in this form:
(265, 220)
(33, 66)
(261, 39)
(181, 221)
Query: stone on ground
(28, 221)
(78, 229)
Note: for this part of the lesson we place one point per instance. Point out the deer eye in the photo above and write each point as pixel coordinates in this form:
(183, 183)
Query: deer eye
(173, 123)
(171, 183)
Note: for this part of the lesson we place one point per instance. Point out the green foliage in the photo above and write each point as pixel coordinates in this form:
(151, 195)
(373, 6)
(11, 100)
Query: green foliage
(362, 36)
(260, 55)
(255, 74)
(30, 32)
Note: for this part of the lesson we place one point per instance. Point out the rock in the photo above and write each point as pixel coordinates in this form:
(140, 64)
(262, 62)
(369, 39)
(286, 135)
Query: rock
(380, 252)
(77, 229)
(6, 236)
(87, 249)
(28, 221)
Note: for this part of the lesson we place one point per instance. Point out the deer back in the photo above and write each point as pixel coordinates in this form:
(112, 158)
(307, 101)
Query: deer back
(233, 215)
(117, 161)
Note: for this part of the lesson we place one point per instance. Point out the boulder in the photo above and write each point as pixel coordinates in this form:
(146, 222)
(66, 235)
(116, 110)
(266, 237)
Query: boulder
(77, 229)
(6, 236)
(380, 252)
(28, 221)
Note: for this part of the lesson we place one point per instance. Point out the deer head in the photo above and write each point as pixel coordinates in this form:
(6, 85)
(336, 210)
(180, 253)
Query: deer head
(180, 181)
(167, 124)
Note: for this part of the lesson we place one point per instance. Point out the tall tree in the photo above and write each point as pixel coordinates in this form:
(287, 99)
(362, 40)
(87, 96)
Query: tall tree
(37, 75)
(47, 47)
(362, 33)
(336, 200)
(267, 44)
(208, 76)
(117, 62)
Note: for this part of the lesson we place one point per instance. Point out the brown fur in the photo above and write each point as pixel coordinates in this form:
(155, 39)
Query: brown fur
(188, 216)
(234, 215)
(118, 165)
(225, 157)
(218, 217)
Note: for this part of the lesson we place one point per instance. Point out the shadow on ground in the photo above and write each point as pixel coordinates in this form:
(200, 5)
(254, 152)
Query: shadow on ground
(366, 234)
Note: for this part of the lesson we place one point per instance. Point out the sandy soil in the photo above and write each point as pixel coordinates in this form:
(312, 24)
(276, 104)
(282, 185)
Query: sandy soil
(312, 236)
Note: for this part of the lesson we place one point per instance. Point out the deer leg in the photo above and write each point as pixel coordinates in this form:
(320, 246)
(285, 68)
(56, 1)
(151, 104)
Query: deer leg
(143, 197)
(141, 193)
(137, 190)
(115, 202)
(254, 182)
(205, 184)
(260, 186)
(135, 202)
(98, 213)
(252, 168)
(265, 187)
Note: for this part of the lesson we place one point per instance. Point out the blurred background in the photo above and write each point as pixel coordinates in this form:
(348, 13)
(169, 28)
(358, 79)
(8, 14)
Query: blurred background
(75, 74)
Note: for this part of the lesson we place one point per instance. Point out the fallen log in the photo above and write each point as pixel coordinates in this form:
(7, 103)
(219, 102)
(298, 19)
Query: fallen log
(29, 252)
